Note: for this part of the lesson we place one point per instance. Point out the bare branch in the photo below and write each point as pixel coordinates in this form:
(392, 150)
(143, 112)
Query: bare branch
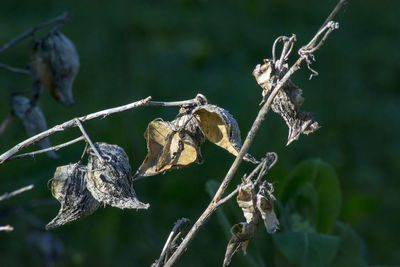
(60, 19)
(235, 165)
(87, 138)
(6, 228)
(53, 148)
(334, 12)
(263, 167)
(13, 69)
(167, 246)
(16, 192)
(103, 113)
(69, 124)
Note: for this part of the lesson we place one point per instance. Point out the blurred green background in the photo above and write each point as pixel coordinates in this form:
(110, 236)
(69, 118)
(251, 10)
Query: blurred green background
(172, 50)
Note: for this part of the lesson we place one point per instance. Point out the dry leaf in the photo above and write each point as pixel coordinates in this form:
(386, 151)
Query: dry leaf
(286, 103)
(33, 121)
(109, 181)
(68, 186)
(171, 145)
(221, 128)
(265, 205)
(56, 63)
(255, 207)
(240, 239)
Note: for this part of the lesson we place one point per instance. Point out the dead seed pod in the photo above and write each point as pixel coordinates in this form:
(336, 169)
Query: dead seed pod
(32, 119)
(171, 145)
(68, 186)
(287, 102)
(109, 180)
(56, 63)
(221, 128)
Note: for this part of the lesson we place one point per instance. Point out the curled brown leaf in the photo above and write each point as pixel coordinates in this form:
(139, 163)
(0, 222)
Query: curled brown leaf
(171, 145)
(221, 128)
(287, 102)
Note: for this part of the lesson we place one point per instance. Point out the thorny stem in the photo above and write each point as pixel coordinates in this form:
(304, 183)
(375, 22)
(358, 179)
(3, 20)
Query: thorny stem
(60, 19)
(103, 113)
(235, 165)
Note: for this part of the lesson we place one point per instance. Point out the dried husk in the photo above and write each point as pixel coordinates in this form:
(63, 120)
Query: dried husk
(171, 145)
(68, 186)
(240, 238)
(56, 63)
(109, 180)
(33, 120)
(255, 207)
(287, 102)
(221, 128)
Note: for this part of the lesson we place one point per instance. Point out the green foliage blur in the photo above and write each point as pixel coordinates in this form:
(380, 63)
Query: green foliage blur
(346, 214)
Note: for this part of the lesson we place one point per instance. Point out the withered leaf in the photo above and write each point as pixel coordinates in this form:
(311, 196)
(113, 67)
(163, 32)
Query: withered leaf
(171, 145)
(255, 207)
(33, 120)
(287, 102)
(56, 63)
(109, 181)
(68, 186)
(220, 128)
(240, 239)
(266, 209)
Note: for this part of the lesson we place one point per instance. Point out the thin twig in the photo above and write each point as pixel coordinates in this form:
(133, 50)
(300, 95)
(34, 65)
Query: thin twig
(62, 18)
(88, 140)
(69, 124)
(103, 113)
(16, 70)
(16, 192)
(6, 123)
(166, 247)
(229, 196)
(235, 165)
(53, 148)
(334, 12)
(6, 228)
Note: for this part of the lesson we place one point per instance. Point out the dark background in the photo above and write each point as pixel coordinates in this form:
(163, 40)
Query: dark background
(173, 50)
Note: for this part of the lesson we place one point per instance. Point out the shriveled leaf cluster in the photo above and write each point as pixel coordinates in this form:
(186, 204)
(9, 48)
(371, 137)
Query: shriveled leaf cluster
(176, 144)
(81, 189)
(287, 102)
(257, 205)
(55, 62)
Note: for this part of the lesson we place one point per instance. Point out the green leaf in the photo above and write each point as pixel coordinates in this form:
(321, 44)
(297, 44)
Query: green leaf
(350, 252)
(306, 249)
(314, 189)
